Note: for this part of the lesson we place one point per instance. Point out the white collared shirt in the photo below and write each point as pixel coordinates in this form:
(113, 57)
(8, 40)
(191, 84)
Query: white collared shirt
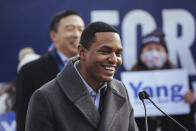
(62, 57)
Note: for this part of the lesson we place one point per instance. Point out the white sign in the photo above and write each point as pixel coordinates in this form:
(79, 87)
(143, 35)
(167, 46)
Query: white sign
(165, 87)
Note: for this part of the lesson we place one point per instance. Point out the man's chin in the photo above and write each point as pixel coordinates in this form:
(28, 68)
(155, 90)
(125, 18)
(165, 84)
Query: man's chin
(108, 79)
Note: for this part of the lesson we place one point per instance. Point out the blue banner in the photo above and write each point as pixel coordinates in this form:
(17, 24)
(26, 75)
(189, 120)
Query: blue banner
(8, 122)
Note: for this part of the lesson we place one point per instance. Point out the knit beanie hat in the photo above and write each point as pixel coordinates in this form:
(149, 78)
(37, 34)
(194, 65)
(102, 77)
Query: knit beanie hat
(157, 36)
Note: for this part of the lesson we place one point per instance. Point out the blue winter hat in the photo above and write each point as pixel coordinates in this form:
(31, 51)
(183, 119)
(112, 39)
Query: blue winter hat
(156, 36)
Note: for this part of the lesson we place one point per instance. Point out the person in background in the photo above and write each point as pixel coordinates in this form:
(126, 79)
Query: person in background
(65, 31)
(8, 89)
(25, 56)
(153, 55)
(84, 96)
(7, 97)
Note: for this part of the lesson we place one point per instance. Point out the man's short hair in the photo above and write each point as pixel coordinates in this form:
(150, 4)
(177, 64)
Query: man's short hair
(88, 35)
(56, 19)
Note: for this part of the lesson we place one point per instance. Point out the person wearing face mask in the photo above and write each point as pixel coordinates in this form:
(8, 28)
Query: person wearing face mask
(153, 55)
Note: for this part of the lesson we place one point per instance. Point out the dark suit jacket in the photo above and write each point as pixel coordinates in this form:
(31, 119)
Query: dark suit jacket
(32, 76)
(64, 104)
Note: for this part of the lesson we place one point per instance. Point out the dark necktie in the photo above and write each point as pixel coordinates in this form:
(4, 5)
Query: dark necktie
(101, 100)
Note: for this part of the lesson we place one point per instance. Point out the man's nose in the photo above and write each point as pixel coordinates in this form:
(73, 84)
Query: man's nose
(113, 58)
(77, 33)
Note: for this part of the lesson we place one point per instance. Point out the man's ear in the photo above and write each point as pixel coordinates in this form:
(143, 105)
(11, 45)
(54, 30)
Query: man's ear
(53, 36)
(82, 51)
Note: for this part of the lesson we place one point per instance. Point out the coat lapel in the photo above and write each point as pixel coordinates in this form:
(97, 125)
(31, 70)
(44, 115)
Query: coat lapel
(87, 107)
(113, 102)
(74, 89)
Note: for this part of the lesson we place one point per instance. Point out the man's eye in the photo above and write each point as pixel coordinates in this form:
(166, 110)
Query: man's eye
(80, 29)
(118, 53)
(69, 28)
(105, 51)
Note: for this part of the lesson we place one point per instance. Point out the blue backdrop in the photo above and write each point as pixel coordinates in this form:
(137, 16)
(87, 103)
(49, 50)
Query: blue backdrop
(26, 23)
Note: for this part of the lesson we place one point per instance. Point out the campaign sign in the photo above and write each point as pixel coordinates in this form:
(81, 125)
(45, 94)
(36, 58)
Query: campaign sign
(166, 88)
(8, 122)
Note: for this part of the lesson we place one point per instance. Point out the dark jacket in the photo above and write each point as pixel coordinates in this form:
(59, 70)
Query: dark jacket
(64, 104)
(32, 76)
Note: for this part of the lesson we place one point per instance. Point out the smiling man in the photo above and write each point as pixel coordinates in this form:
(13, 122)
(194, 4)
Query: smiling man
(85, 96)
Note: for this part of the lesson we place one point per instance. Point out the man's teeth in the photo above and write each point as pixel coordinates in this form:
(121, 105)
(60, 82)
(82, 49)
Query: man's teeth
(110, 68)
